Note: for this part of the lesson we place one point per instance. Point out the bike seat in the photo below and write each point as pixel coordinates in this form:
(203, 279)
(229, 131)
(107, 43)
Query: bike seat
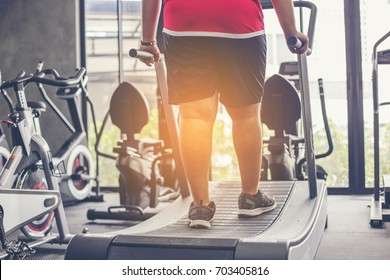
(129, 110)
(40, 105)
(281, 106)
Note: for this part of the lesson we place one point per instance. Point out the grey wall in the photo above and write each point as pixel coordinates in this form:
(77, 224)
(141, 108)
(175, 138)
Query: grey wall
(33, 30)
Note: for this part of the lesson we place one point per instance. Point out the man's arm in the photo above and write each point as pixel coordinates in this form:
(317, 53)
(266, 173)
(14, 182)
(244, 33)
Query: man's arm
(285, 12)
(150, 15)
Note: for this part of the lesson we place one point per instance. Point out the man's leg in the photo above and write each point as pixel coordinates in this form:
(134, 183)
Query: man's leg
(196, 128)
(248, 141)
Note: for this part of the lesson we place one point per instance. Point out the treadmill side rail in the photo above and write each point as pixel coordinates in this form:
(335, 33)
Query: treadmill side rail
(297, 232)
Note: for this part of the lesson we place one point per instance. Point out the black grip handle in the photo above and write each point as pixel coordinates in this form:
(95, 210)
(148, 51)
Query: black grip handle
(21, 78)
(53, 72)
(296, 43)
(140, 54)
(321, 86)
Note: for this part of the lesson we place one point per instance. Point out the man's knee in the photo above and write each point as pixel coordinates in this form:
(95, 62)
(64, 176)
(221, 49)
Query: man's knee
(204, 109)
(246, 112)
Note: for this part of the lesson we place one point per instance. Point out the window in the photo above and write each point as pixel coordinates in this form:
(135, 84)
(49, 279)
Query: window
(374, 25)
(327, 62)
(103, 25)
(106, 68)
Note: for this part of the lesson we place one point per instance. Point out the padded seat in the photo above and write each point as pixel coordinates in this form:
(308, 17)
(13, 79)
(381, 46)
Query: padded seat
(281, 106)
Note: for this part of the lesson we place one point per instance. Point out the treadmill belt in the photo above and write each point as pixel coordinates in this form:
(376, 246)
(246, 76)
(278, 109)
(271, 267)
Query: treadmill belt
(226, 223)
(176, 240)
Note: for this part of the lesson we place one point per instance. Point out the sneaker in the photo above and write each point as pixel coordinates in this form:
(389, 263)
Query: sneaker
(201, 215)
(254, 205)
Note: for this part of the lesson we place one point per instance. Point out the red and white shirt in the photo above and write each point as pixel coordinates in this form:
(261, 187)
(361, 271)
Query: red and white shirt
(215, 18)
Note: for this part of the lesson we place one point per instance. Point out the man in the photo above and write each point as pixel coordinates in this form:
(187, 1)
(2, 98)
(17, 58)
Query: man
(215, 51)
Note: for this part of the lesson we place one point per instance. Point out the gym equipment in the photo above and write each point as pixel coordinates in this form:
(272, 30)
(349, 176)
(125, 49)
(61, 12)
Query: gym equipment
(380, 206)
(4, 149)
(76, 183)
(74, 155)
(28, 200)
(281, 112)
(4, 146)
(292, 231)
(147, 171)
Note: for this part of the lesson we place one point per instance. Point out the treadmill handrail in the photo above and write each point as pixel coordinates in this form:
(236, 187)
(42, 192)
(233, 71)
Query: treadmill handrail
(170, 116)
(312, 18)
(375, 99)
(305, 97)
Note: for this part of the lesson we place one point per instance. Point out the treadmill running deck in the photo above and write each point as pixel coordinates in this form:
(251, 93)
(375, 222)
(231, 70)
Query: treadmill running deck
(167, 235)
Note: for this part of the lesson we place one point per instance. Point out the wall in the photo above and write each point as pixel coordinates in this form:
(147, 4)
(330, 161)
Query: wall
(31, 31)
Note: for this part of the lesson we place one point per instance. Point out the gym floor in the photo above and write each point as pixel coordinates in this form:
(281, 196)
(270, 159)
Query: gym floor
(348, 236)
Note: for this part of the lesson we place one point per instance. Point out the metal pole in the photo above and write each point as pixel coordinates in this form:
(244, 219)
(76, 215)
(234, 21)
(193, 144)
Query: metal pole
(307, 125)
(120, 40)
(83, 59)
(354, 96)
(172, 127)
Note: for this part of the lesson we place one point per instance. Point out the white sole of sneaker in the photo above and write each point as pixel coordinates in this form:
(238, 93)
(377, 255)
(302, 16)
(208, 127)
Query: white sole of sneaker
(199, 224)
(255, 212)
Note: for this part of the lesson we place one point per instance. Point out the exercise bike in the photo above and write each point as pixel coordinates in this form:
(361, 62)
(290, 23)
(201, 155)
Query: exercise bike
(77, 180)
(4, 146)
(4, 149)
(147, 171)
(281, 112)
(28, 201)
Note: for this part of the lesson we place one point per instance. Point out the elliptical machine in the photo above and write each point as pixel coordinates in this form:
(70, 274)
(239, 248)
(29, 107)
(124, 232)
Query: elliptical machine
(147, 172)
(281, 112)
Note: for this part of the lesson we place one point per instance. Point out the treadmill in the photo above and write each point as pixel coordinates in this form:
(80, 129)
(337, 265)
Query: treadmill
(292, 231)
(380, 204)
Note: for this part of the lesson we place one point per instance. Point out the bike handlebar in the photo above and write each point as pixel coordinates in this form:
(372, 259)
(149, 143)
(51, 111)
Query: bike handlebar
(20, 78)
(52, 72)
(58, 81)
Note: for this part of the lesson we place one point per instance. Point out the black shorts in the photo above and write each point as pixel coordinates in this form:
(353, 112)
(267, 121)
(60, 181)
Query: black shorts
(198, 67)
